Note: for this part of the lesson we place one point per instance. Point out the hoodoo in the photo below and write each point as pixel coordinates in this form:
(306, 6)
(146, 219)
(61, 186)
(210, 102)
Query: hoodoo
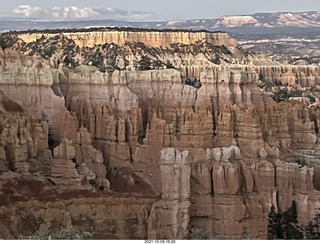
(153, 134)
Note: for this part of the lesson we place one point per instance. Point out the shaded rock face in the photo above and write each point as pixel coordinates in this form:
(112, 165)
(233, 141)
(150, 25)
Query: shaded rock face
(229, 185)
(227, 192)
(219, 156)
(169, 217)
(45, 124)
(22, 138)
(105, 217)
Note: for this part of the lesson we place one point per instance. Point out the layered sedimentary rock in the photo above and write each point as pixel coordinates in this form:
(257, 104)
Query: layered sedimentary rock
(227, 110)
(150, 38)
(90, 159)
(169, 217)
(27, 82)
(114, 50)
(63, 170)
(28, 87)
(214, 157)
(105, 217)
(304, 76)
(22, 138)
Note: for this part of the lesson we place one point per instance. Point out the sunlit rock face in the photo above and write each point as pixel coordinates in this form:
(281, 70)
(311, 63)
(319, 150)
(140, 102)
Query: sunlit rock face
(150, 38)
(144, 154)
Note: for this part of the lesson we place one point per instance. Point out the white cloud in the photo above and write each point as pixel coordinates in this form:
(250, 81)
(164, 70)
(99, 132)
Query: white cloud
(73, 12)
(141, 15)
(28, 11)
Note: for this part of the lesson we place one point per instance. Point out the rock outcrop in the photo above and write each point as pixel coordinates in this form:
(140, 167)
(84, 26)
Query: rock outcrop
(108, 217)
(150, 38)
(90, 159)
(213, 157)
(63, 170)
(22, 138)
(169, 217)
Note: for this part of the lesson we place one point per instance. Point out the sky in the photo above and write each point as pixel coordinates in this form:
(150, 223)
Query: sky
(146, 10)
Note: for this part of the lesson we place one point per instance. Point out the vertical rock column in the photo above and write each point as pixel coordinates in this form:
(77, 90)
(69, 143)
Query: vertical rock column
(169, 217)
(63, 169)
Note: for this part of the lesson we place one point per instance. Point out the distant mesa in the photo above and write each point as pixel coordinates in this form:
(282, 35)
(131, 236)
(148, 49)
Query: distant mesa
(119, 36)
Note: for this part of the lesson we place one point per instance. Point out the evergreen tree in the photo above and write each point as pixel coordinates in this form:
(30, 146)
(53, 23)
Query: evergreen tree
(145, 63)
(284, 225)
(3, 44)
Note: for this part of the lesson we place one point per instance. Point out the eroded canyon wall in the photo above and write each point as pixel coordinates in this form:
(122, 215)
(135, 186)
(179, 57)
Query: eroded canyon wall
(214, 158)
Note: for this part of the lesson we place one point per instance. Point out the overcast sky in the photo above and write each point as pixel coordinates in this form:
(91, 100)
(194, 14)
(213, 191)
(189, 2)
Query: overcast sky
(146, 9)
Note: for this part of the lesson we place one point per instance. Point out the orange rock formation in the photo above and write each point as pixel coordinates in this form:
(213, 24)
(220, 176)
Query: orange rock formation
(215, 158)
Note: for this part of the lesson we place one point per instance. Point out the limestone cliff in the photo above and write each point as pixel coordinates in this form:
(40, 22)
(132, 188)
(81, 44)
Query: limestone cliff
(149, 37)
